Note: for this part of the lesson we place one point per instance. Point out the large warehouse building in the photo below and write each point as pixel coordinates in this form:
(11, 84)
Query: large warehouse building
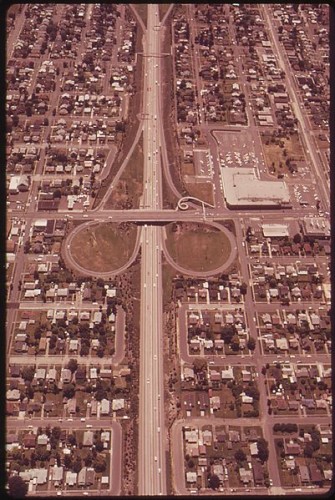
(242, 189)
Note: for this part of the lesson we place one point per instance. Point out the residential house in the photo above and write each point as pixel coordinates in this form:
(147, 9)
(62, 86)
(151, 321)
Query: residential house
(105, 407)
(88, 438)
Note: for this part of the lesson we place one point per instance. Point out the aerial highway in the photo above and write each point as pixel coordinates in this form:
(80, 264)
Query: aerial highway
(151, 459)
(150, 217)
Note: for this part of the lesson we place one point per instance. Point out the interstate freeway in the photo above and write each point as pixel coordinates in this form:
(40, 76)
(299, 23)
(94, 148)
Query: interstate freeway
(151, 458)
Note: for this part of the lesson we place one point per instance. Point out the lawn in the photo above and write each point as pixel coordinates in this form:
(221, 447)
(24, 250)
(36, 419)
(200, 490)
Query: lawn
(210, 248)
(142, 10)
(274, 154)
(163, 8)
(201, 190)
(104, 247)
(129, 189)
(168, 274)
(187, 168)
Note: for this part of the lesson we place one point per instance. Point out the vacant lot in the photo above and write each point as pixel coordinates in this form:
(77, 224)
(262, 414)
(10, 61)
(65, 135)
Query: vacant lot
(197, 247)
(129, 189)
(276, 155)
(104, 247)
(201, 190)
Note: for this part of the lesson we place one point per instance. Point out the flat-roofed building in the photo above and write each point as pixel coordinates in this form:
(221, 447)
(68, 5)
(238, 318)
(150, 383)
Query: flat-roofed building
(242, 189)
(316, 226)
(275, 230)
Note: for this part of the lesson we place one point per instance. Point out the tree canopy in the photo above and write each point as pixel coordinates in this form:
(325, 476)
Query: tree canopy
(17, 487)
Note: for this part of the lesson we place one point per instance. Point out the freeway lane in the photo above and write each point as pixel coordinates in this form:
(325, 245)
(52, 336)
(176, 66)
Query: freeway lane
(165, 215)
(152, 469)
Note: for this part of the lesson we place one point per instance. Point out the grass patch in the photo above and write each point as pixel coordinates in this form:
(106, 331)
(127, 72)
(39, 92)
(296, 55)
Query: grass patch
(129, 189)
(142, 11)
(201, 190)
(187, 169)
(210, 248)
(168, 274)
(104, 247)
(163, 8)
(275, 155)
(170, 200)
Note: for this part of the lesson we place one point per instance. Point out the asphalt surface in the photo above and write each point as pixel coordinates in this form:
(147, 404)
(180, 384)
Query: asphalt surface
(151, 458)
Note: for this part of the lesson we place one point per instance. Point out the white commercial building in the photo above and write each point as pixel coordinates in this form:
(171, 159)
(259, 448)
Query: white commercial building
(243, 189)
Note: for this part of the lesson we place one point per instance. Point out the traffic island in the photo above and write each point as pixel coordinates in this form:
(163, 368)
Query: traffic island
(199, 249)
(101, 247)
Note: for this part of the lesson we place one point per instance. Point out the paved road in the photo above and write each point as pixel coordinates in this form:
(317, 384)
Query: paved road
(151, 458)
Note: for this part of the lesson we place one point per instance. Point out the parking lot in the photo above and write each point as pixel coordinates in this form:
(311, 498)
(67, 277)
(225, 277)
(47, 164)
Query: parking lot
(239, 150)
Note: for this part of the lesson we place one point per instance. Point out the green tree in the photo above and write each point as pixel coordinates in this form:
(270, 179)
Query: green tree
(308, 450)
(297, 238)
(84, 351)
(28, 373)
(76, 467)
(99, 446)
(251, 344)
(17, 487)
(57, 193)
(240, 456)
(69, 391)
(235, 343)
(214, 482)
(72, 440)
(227, 333)
(263, 451)
(56, 432)
(72, 365)
(199, 364)
(68, 461)
(99, 464)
